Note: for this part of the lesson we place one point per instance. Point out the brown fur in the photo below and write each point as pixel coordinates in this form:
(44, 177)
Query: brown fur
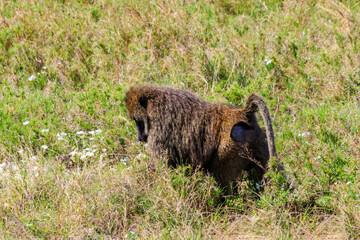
(197, 132)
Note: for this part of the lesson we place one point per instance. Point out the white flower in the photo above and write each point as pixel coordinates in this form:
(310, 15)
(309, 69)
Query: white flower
(125, 160)
(98, 131)
(34, 168)
(32, 77)
(83, 156)
(44, 130)
(14, 167)
(80, 132)
(37, 174)
(60, 136)
(2, 165)
(20, 151)
(72, 153)
(44, 147)
(305, 134)
(89, 154)
(17, 176)
(91, 138)
(44, 67)
(140, 156)
(268, 61)
(104, 149)
(33, 158)
(92, 132)
(26, 122)
(58, 62)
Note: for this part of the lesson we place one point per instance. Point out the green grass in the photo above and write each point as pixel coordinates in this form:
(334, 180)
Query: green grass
(65, 67)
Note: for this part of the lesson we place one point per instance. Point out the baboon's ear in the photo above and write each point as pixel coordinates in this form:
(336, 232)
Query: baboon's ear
(143, 102)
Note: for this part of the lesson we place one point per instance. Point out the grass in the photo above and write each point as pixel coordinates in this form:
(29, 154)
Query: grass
(65, 67)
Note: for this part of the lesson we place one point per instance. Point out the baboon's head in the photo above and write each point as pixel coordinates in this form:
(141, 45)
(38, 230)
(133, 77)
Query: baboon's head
(137, 105)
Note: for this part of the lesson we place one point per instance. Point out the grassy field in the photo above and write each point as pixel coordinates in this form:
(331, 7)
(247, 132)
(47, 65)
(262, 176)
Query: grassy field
(70, 166)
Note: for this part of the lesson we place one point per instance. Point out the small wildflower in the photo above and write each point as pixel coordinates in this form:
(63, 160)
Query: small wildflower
(20, 151)
(91, 138)
(92, 132)
(268, 61)
(34, 168)
(60, 136)
(98, 131)
(125, 160)
(37, 174)
(305, 134)
(44, 147)
(32, 77)
(104, 149)
(89, 154)
(2, 166)
(257, 186)
(140, 156)
(26, 122)
(72, 153)
(80, 132)
(44, 67)
(58, 62)
(45, 130)
(14, 167)
(83, 156)
(33, 158)
(17, 176)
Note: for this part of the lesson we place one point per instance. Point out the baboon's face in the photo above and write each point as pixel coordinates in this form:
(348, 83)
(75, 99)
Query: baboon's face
(141, 131)
(140, 115)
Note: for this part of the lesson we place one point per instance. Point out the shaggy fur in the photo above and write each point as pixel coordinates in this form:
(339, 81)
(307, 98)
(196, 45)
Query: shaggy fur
(219, 138)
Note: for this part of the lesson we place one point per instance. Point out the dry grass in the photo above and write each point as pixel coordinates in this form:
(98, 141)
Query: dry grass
(65, 67)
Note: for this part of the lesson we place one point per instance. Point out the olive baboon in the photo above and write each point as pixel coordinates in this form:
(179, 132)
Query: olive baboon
(219, 138)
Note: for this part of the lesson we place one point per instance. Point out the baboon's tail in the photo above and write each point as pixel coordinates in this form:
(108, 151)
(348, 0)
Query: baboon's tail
(255, 103)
